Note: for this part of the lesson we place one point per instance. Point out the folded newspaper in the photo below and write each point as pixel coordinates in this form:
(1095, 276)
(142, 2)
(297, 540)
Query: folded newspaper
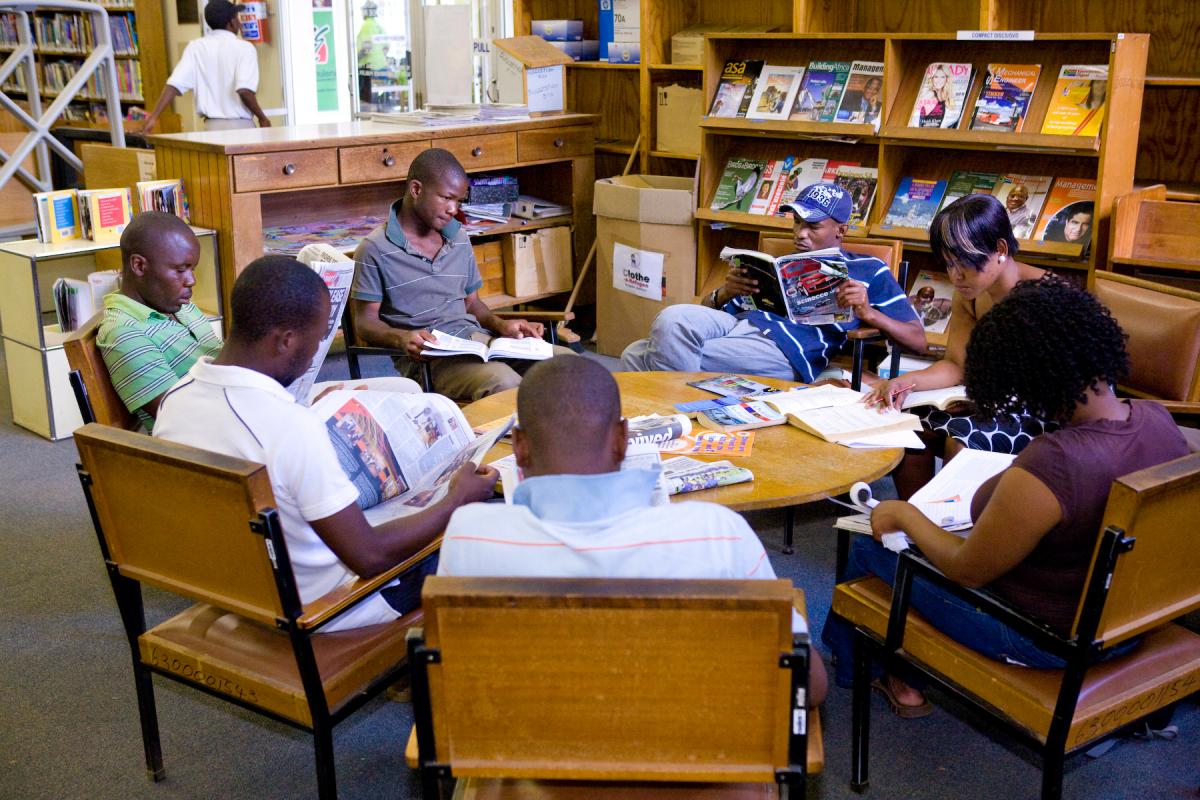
(400, 449)
(338, 273)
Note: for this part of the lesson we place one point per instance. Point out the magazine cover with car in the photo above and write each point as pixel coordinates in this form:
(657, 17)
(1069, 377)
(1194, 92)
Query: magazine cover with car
(802, 286)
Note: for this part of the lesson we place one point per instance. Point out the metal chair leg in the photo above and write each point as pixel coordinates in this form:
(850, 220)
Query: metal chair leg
(860, 714)
(148, 716)
(326, 775)
(789, 529)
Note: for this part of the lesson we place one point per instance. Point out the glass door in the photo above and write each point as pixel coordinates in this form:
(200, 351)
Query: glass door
(382, 67)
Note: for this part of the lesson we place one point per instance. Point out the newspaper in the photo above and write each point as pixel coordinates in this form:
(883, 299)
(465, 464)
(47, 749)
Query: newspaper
(642, 455)
(656, 429)
(400, 449)
(338, 273)
(683, 474)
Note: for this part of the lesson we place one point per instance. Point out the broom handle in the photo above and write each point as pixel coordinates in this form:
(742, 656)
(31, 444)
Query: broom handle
(591, 256)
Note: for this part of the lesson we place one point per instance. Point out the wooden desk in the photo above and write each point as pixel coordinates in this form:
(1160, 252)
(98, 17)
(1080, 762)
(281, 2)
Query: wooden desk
(240, 181)
(790, 466)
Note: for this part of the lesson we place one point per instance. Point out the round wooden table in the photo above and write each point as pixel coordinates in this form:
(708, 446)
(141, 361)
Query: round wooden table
(790, 466)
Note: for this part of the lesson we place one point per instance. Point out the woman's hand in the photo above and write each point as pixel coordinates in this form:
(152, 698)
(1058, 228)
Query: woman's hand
(889, 394)
(889, 516)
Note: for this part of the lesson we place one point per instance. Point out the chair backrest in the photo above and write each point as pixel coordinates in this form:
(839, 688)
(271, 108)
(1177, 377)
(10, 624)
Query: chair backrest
(610, 679)
(889, 251)
(1163, 325)
(179, 518)
(1155, 581)
(84, 356)
(349, 335)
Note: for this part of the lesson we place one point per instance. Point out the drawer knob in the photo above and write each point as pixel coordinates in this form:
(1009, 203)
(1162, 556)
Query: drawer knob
(289, 169)
(389, 161)
(477, 152)
(558, 142)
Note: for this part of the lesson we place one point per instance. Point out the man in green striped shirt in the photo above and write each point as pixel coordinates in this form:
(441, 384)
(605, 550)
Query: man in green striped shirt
(151, 334)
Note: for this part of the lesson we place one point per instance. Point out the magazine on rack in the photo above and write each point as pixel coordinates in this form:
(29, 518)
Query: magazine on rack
(399, 448)
(802, 286)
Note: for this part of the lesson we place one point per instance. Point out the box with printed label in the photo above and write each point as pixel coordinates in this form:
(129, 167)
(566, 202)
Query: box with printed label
(624, 53)
(678, 110)
(538, 262)
(585, 50)
(558, 30)
(687, 45)
(627, 21)
(652, 215)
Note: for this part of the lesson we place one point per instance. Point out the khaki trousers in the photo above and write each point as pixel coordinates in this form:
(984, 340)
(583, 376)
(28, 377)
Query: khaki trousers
(466, 379)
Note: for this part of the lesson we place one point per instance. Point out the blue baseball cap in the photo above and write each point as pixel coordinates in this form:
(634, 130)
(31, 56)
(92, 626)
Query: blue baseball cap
(821, 200)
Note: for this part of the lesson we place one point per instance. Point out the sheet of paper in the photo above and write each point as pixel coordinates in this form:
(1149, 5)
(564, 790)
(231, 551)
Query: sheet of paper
(908, 439)
(949, 494)
(638, 272)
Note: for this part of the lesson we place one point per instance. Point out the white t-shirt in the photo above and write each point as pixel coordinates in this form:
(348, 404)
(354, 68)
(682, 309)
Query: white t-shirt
(216, 67)
(601, 526)
(242, 413)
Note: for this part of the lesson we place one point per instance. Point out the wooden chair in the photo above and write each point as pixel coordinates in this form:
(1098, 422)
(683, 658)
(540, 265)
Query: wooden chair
(203, 526)
(1148, 230)
(890, 252)
(1142, 576)
(555, 688)
(98, 400)
(355, 348)
(1163, 325)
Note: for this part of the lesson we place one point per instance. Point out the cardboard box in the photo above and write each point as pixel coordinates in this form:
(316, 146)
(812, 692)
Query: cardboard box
(618, 21)
(687, 46)
(584, 50)
(557, 30)
(624, 53)
(530, 71)
(678, 111)
(651, 214)
(538, 262)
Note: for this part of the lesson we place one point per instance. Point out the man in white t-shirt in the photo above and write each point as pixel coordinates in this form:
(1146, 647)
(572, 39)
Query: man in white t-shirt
(236, 404)
(222, 70)
(577, 515)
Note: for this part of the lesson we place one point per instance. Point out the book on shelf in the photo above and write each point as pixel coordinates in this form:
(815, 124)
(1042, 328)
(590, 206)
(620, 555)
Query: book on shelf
(167, 196)
(801, 287)
(56, 216)
(942, 95)
(104, 213)
(938, 398)
(766, 196)
(915, 203)
(76, 301)
(400, 449)
(495, 212)
(821, 91)
(859, 183)
(732, 386)
(530, 207)
(1069, 212)
(1023, 197)
(744, 416)
(838, 415)
(862, 100)
(805, 173)
(963, 183)
(774, 92)
(529, 348)
(1004, 97)
(932, 299)
(736, 190)
(1077, 105)
(735, 88)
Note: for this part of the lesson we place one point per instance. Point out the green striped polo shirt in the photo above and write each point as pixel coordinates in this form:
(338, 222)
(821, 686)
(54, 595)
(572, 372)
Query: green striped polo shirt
(147, 351)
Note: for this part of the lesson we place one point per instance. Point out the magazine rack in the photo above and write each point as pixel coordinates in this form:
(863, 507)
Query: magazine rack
(899, 151)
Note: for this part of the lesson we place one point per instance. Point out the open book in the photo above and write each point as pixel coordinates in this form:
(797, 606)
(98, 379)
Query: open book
(802, 286)
(938, 398)
(530, 348)
(838, 415)
(400, 449)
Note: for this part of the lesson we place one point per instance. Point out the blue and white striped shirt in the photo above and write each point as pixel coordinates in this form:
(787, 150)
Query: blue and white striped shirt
(808, 348)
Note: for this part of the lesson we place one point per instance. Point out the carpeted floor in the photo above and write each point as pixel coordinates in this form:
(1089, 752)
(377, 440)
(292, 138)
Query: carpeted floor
(70, 725)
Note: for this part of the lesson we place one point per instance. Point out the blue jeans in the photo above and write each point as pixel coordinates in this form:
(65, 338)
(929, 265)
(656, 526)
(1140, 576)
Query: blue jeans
(958, 619)
(405, 596)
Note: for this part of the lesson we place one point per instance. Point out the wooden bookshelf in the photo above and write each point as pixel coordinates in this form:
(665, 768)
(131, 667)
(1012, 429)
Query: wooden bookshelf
(899, 151)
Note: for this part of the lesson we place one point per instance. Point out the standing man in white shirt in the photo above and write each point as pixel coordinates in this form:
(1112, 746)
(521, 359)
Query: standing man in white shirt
(223, 71)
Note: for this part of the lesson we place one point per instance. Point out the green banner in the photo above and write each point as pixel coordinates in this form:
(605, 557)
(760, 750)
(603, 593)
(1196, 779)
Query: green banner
(325, 60)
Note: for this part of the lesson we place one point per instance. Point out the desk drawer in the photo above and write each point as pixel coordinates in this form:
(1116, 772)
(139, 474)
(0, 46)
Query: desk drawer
(378, 162)
(551, 143)
(478, 152)
(287, 170)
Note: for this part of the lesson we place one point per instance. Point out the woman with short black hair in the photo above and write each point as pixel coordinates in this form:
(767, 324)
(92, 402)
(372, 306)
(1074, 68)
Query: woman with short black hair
(1052, 350)
(973, 241)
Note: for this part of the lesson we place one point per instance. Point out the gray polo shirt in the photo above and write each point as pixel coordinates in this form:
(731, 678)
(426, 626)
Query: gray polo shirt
(413, 291)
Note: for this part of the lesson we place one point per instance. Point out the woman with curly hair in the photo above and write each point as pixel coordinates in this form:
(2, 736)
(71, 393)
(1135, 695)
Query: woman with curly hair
(1052, 350)
(973, 241)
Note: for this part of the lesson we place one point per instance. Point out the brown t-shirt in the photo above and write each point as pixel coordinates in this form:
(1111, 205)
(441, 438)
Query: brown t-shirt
(1079, 463)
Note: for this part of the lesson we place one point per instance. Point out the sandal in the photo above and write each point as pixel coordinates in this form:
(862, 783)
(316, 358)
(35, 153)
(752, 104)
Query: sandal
(901, 710)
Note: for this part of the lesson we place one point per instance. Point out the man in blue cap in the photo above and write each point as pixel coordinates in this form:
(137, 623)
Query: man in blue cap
(725, 333)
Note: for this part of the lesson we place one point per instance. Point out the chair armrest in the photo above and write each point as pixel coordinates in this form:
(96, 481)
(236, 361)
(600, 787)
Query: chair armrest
(560, 316)
(329, 606)
(799, 603)
(911, 563)
(373, 350)
(865, 334)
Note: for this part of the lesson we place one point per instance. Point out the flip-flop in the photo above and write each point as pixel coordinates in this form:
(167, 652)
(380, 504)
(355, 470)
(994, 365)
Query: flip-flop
(900, 709)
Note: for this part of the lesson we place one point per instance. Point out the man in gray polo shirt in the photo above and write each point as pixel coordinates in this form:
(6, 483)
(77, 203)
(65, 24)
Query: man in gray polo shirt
(417, 272)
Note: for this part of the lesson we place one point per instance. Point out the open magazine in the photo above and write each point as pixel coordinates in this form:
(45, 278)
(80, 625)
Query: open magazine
(338, 273)
(400, 449)
(802, 286)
